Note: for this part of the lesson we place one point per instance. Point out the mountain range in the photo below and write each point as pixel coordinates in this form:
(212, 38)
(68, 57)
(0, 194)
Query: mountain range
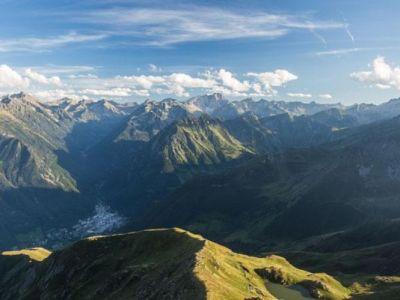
(257, 176)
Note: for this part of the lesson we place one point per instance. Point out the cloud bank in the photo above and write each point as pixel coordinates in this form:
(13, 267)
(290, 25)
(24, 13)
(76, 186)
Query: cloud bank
(47, 84)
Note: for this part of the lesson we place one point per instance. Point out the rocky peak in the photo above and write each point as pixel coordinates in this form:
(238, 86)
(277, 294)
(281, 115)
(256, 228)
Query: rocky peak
(19, 98)
(206, 103)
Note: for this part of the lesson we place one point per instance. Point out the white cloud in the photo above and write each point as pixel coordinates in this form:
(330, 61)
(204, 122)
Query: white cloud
(230, 82)
(44, 44)
(77, 76)
(299, 95)
(383, 86)
(9, 78)
(178, 83)
(325, 96)
(49, 95)
(175, 83)
(145, 81)
(161, 27)
(271, 80)
(175, 90)
(40, 78)
(87, 85)
(115, 92)
(382, 75)
(188, 81)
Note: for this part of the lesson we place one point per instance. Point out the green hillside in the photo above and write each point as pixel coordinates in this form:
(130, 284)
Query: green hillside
(196, 143)
(156, 264)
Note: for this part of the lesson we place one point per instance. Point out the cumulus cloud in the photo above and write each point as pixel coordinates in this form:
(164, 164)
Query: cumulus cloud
(178, 83)
(115, 92)
(46, 84)
(188, 81)
(230, 82)
(325, 96)
(271, 80)
(10, 78)
(40, 78)
(144, 81)
(299, 95)
(222, 81)
(381, 75)
(55, 94)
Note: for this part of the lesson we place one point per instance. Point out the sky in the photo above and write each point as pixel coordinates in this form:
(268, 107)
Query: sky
(324, 51)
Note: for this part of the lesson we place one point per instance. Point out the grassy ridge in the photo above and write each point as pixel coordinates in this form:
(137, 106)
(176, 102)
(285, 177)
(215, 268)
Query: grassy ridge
(157, 264)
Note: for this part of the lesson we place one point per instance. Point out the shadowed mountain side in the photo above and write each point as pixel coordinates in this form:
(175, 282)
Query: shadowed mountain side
(383, 259)
(84, 164)
(241, 204)
(370, 234)
(179, 152)
(27, 214)
(293, 195)
(281, 132)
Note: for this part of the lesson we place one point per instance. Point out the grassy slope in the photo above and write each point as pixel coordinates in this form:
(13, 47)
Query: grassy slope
(228, 275)
(159, 264)
(36, 254)
(196, 143)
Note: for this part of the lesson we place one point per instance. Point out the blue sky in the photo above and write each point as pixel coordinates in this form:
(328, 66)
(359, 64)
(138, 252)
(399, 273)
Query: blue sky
(326, 51)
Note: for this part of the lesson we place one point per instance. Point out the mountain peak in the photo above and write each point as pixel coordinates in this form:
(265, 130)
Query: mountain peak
(20, 97)
(209, 97)
(206, 103)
